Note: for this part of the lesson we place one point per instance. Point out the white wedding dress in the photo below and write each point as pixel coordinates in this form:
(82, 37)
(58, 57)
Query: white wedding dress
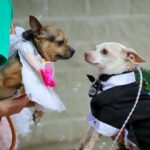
(44, 97)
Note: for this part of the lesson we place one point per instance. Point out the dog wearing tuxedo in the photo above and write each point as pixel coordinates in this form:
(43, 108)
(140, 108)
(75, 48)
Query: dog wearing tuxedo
(113, 95)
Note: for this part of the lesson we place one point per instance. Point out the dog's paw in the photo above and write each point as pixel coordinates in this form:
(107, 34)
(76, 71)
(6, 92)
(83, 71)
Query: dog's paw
(78, 147)
(37, 115)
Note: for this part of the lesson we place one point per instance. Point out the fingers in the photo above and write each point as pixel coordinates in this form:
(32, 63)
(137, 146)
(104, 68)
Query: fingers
(121, 138)
(25, 102)
(13, 106)
(21, 101)
(12, 30)
(30, 104)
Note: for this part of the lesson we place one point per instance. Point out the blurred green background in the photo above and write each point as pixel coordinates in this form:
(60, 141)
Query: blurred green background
(86, 23)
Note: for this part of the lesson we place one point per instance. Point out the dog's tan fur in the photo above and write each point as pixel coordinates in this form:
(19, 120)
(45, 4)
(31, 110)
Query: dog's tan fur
(10, 73)
(47, 41)
(88, 141)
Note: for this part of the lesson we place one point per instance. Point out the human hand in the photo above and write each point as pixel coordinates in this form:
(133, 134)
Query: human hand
(12, 29)
(13, 106)
(121, 138)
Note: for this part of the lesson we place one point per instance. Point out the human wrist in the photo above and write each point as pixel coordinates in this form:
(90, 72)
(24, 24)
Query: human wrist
(1, 110)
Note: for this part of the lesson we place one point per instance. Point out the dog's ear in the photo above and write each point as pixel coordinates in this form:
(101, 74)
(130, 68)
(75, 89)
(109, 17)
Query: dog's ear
(91, 78)
(133, 56)
(36, 26)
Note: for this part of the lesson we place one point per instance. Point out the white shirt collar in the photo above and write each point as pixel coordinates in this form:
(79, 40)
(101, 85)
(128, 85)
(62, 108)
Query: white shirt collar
(118, 80)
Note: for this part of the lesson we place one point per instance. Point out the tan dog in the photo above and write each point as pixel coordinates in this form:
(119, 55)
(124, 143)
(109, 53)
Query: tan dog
(109, 58)
(50, 42)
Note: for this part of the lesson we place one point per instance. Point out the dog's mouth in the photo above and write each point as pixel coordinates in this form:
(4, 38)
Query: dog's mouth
(61, 57)
(92, 63)
(66, 56)
(97, 65)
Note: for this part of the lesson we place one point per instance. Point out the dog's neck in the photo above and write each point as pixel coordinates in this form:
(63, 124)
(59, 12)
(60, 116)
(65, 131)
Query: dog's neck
(117, 80)
(37, 47)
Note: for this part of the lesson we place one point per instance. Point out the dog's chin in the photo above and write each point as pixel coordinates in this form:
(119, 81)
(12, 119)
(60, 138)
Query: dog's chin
(97, 65)
(91, 63)
(61, 57)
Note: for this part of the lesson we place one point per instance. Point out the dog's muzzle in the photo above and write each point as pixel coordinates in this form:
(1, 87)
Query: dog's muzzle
(69, 53)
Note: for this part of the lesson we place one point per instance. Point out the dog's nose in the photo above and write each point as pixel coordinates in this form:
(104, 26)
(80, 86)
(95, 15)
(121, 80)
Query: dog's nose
(72, 51)
(86, 54)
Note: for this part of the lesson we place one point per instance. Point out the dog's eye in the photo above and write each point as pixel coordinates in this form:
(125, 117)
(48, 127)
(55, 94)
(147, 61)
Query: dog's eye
(51, 38)
(104, 51)
(60, 43)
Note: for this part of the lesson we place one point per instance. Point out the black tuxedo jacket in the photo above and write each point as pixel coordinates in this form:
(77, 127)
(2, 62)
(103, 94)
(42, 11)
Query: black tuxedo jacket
(113, 106)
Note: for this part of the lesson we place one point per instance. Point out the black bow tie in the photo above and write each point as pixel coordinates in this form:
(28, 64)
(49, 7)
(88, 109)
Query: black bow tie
(105, 77)
(96, 83)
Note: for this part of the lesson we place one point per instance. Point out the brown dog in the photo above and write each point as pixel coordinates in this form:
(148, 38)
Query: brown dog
(52, 45)
(50, 42)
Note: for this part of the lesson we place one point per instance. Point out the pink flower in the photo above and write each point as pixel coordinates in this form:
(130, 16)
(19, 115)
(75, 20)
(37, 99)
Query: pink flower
(47, 74)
